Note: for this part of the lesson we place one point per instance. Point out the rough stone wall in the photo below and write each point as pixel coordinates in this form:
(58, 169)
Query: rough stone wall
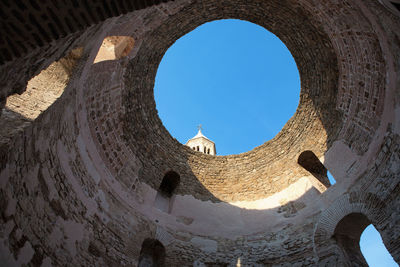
(374, 193)
(262, 168)
(36, 33)
(27, 25)
(114, 47)
(262, 249)
(51, 213)
(77, 185)
(41, 92)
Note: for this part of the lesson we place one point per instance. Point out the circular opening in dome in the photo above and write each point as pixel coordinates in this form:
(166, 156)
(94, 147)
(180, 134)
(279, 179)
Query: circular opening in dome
(235, 78)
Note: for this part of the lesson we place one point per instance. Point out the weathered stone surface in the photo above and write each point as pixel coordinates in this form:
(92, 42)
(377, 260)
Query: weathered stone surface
(78, 183)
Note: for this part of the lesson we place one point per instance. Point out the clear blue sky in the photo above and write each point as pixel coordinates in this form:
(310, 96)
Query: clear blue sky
(373, 249)
(242, 84)
(235, 78)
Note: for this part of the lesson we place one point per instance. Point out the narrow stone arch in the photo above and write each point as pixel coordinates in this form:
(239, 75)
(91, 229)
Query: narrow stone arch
(347, 236)
(309, 161)
(164, 198)
(152, 253)
(332, 234)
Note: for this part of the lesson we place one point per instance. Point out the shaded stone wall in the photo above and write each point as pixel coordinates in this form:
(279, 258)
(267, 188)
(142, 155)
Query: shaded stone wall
(36, 33)
(41, 92)
(27, 25)
(77, 186)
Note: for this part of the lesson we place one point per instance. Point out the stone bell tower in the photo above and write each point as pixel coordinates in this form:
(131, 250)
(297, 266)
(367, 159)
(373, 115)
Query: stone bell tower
(201, 143)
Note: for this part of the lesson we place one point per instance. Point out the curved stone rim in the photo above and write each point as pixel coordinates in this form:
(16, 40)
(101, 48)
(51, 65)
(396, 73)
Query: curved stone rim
(191, 22)
(315, 123)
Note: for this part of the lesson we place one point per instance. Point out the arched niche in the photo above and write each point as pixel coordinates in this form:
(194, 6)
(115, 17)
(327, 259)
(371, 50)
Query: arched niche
(347, 235)
(164, 197)
(338, 230)
(169, 183)
(152, 254)
(309, 161)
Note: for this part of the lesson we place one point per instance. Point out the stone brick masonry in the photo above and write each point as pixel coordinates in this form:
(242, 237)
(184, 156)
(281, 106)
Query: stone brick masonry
(78, 180)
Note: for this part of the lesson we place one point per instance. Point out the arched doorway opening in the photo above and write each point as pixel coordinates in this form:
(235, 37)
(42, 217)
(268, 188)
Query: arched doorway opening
(373, 249)
(152, 254)
(358, 247)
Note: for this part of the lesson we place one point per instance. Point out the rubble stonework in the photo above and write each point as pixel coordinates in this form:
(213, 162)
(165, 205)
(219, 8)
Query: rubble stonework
(78, 183)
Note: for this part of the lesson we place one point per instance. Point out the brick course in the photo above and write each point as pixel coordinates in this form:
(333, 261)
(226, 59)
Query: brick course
(77, 185)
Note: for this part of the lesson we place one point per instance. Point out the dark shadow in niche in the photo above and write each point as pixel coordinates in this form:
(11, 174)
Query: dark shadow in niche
(309, 161)
(164, 198)
(396, 5)
(169, 183)
(347, 235)
(152, 254)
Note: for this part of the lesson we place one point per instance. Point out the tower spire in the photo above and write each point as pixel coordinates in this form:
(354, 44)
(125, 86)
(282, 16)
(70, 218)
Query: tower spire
(201, 143)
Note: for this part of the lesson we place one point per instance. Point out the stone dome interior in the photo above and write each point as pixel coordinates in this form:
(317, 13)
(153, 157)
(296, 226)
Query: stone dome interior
(96, 179)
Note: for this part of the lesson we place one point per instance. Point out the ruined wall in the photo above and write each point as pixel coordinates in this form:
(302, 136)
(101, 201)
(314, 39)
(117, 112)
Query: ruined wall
(77, 186)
